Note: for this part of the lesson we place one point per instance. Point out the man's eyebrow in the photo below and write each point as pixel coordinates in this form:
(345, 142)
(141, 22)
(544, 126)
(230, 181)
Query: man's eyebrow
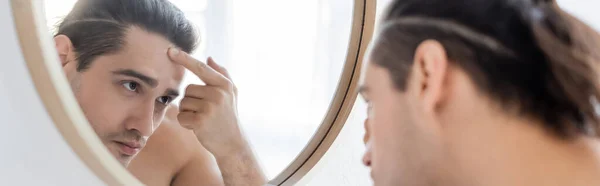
(172, 92)
(132, 73)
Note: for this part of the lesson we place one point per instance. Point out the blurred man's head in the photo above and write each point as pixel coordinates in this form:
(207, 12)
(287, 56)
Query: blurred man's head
(114, 53)
(441, 75)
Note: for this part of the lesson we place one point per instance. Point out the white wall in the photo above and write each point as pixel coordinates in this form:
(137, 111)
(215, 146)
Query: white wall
(586, 10)
(32, 150)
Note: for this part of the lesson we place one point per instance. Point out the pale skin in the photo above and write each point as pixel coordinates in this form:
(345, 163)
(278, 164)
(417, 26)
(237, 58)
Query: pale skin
(442, 131)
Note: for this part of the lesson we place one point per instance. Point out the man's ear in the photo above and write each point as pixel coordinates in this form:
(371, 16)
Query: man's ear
(431, 68)
(64, 47)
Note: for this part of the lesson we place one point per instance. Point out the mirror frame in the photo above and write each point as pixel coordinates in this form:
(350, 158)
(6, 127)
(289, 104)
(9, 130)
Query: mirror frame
(363, 22)
(59, 101)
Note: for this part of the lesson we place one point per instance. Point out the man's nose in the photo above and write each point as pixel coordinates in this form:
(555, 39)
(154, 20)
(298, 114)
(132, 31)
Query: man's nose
(366, 140)
(142, 120)
(367, 156)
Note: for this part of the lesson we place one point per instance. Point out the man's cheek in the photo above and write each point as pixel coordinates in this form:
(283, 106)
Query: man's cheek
(159, 119)
(382, 137)
(113, 116)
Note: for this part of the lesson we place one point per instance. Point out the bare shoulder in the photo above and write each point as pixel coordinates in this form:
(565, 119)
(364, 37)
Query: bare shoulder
(168, 154)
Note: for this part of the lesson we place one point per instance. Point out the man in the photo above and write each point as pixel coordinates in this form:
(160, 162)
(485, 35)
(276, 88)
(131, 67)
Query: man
(490, 93)
(114, 53)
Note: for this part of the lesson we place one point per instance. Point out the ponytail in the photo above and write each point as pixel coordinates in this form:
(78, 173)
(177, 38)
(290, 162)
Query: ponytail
(571, 49)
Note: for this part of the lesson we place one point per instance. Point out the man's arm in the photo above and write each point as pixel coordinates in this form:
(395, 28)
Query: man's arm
(241, 167)
(211, 112)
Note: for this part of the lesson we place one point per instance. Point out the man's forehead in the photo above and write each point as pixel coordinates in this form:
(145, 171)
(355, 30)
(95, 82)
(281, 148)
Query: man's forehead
(364, 82)
(148, 51)
(366, 72)
(146, 46)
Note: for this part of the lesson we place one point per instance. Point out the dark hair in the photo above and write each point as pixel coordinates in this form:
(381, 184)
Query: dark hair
(98, 27)
(525, 54)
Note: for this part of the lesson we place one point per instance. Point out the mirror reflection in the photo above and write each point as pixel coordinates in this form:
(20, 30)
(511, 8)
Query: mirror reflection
(159, 79)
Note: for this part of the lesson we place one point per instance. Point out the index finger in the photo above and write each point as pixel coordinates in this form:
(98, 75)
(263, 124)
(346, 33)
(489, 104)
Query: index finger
(203, 71)
(211, 62)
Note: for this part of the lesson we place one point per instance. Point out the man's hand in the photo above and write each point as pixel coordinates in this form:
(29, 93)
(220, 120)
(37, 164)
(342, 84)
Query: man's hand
(211, 112)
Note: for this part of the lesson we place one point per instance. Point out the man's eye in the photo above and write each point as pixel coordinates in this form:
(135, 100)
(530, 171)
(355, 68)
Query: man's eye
(164, 100)
(131, 86)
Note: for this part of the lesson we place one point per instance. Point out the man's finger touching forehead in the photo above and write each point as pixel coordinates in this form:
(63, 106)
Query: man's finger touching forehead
(206, 73)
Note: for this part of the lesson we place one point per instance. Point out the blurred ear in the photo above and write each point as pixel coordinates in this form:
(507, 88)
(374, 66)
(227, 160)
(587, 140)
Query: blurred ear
(430, 72)
(64, 47)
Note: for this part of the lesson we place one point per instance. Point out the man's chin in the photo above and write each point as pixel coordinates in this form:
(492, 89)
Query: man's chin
(123, 159)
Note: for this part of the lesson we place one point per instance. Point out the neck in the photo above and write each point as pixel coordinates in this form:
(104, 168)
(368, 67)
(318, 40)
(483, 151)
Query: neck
(489, 147)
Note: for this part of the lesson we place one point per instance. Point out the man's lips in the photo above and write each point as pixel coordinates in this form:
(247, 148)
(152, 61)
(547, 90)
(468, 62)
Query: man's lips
(129, 148)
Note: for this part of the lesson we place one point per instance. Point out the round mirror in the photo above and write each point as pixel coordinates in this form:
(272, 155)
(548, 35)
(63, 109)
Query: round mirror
(293, 63)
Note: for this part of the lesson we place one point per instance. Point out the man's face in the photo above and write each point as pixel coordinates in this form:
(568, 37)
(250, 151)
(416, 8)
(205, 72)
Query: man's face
(399, 146)
(124, 95)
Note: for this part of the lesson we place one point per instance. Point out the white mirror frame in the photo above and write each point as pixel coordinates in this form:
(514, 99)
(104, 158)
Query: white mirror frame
(52, 87)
